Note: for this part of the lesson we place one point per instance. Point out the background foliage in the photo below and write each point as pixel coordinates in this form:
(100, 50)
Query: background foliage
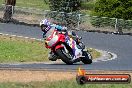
(121, 9)
(65, 5)
(114, 8)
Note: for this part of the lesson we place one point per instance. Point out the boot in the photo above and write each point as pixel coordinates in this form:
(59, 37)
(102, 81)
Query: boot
(52, 56)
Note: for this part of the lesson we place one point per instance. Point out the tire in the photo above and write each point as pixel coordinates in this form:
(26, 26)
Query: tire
(63, 56)
(87, 59)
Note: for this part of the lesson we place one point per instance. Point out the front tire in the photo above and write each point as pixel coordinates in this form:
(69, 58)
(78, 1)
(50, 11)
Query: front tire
(64, 56)
(87, 59)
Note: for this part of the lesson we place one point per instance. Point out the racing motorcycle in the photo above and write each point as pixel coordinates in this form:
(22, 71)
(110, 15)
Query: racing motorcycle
(65, 48)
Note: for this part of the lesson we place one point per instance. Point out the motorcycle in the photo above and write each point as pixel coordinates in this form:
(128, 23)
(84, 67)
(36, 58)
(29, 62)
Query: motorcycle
(65, 48)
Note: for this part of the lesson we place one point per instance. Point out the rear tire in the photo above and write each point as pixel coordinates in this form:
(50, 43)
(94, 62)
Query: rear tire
(64, 57)
(87, 59)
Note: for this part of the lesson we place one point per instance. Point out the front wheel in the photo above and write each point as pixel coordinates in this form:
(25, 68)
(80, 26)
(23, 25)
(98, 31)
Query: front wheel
(87, 59)
(66, 58)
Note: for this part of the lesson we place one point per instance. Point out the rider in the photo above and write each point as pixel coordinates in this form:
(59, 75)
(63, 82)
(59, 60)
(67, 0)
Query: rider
(46, 25)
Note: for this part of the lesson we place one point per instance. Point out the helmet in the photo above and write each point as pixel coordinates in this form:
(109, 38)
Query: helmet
(45, 25)
(45, 22)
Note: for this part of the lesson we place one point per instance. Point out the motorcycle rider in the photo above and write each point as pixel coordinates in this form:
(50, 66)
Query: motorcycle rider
(46, 25)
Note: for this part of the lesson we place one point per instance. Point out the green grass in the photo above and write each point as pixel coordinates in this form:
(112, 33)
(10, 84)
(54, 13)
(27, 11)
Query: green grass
(24, 50)
(20, 50)
(62, 84)
(38, 4)
(95, 54)
(32, 4)
(73, 84)
(1, 2)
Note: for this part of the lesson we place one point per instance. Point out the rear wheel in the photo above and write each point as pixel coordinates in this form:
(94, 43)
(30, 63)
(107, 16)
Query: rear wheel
(65, 57)
(87, 59)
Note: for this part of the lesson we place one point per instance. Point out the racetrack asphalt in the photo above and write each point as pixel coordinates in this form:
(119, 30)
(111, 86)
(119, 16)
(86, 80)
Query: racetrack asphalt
(121, 45)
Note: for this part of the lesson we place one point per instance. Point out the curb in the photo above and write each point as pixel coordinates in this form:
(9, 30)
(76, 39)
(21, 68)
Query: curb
(106, 56)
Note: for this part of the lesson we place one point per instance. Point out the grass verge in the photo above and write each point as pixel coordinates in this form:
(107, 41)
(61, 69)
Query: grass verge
(14, 49)
(21, 50)
(38, 4)
(62, 84)
(95, 54)
(52, 79)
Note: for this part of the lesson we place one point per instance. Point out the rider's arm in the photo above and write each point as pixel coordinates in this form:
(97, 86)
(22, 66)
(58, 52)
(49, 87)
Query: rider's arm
(43, 35)
(61, 28)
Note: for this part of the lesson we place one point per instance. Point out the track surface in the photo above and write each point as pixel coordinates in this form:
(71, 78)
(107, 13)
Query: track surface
(118, 44)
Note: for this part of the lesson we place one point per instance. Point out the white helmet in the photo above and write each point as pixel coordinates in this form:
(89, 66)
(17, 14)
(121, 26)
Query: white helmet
(45, 22)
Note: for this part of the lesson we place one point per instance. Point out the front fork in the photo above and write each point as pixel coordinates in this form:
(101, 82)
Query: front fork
(65, 48)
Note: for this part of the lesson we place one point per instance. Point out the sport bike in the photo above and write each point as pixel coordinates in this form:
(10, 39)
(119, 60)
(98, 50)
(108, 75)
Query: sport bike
(66, 48)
